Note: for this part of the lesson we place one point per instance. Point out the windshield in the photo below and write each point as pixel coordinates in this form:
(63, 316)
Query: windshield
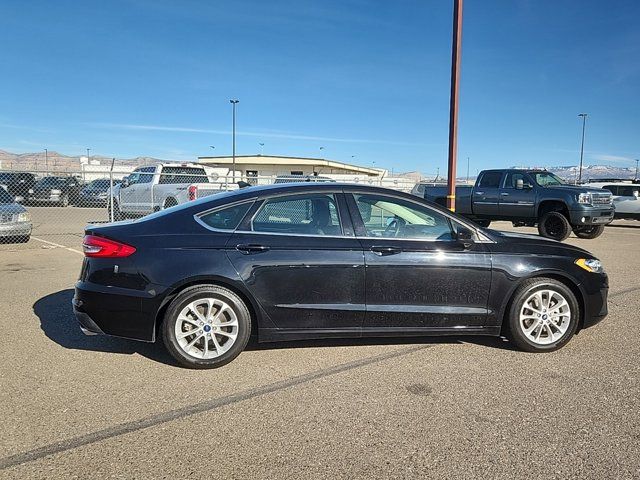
(545, 179)
(50, 182)
(5, 197)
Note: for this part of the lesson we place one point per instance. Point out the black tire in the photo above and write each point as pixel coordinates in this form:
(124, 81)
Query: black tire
(169, 202)
(554, 225)
(117, 214)
(589, 232)
(516, 331)
(190, 295)
(483, 223)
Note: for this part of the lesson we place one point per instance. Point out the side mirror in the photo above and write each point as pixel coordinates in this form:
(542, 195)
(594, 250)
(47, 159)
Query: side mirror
(464, 236)
(519, 184)
(125, 182)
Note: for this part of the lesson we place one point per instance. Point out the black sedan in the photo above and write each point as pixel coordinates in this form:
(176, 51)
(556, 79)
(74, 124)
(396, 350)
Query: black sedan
(300, 261)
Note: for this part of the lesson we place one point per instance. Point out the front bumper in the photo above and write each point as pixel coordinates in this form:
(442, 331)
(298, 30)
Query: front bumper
(15, 229)
(596, 292)
(587, 215)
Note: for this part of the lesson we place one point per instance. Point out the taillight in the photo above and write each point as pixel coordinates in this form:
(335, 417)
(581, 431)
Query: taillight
(193, 190)
(105, 248)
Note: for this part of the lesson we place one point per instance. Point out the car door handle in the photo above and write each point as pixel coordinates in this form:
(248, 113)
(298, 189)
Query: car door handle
(248, 248)
(504, 194)
(385, 250)
(479, 193)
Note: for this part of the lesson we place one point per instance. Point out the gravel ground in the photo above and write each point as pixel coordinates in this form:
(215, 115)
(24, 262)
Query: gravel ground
(458, 407)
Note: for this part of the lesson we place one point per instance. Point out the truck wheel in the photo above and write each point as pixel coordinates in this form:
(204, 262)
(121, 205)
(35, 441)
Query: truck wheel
(117, 214)
(554, 225)
(170, 202)
(588, 231)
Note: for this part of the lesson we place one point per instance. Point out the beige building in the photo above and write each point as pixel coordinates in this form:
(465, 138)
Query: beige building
(257, 166)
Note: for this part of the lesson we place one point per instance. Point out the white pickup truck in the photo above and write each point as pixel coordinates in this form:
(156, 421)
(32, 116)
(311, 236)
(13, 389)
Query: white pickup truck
(626, 198)
(150, 189)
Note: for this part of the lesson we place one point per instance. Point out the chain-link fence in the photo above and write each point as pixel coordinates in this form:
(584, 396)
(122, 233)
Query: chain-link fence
(51, 208)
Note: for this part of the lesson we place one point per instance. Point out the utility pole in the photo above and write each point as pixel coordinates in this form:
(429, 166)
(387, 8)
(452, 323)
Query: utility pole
(46, 159)
(456, 54)
(584, 121)
(234, 103)
(637, 168)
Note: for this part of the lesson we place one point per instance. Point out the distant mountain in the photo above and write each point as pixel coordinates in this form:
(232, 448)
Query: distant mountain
(58, 162)
(571, 172)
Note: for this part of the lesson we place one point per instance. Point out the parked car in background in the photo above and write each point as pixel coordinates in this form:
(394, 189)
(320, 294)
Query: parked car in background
(17, 184)
(150, 189)
(304, 260)
(15, 221)
(302, 178)
(96, 193)
(419, 188)
(57, 190)
(530, 198)
(625, 198)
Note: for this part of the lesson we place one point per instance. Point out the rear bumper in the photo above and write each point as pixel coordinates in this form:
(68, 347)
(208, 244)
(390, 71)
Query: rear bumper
(591, 216)
(115, 311)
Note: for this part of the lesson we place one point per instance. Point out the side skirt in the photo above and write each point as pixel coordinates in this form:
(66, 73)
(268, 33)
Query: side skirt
(283, 335)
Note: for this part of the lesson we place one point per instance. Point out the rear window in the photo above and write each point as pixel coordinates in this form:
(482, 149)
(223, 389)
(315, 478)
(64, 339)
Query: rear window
(227, 218)
(183, 175)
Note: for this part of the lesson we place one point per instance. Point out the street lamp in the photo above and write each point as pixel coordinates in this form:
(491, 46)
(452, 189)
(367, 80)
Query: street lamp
(261, 148)
(584, 121)
(234, 103)
(46, 159)
(212, 147)
(637, 168)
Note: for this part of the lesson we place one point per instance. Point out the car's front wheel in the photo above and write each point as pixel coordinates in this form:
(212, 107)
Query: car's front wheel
(544, 315)
(554, 225)
(206, 326)
(588, 231)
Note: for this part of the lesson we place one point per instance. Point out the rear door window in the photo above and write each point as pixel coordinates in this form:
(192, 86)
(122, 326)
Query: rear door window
(490, 180)
(309, 214)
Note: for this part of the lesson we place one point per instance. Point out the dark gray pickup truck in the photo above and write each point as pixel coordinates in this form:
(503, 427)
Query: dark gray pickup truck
(530, 198)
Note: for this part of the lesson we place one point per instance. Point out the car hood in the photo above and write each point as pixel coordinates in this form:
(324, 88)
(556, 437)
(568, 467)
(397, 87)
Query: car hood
(12, 208)
(577, 188)
(523, 243)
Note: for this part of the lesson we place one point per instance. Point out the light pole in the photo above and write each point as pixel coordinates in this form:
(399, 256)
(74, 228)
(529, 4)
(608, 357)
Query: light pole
(467, 170)
(212, 147)
(456, 56)
(46, 159)
(88, 150)
(584, 121)
(261, 148)
(321, 148)
(637, 168)
(234, 103)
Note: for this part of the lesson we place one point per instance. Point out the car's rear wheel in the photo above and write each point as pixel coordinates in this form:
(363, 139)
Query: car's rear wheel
(554, 225)
(589, 232)
(206, 326)
(544, 315)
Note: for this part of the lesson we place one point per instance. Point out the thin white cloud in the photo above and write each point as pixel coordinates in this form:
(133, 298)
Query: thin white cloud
(612, 158)
(266, 134)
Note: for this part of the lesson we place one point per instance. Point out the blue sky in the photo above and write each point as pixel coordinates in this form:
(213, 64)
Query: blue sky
(368, 80)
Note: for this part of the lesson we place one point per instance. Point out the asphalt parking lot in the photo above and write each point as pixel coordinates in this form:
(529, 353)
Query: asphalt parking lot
(97, 407)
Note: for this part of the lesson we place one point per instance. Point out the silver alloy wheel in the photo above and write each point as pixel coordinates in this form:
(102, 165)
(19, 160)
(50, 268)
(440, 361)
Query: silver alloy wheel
(545, 317)
(206, 328)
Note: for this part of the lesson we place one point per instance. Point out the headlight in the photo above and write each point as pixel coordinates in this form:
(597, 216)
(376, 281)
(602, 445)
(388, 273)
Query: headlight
(584, 198)
(24, 217)
(590, 265)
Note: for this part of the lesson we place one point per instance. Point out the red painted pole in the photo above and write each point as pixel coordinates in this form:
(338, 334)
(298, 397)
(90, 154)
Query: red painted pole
(456, 52)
